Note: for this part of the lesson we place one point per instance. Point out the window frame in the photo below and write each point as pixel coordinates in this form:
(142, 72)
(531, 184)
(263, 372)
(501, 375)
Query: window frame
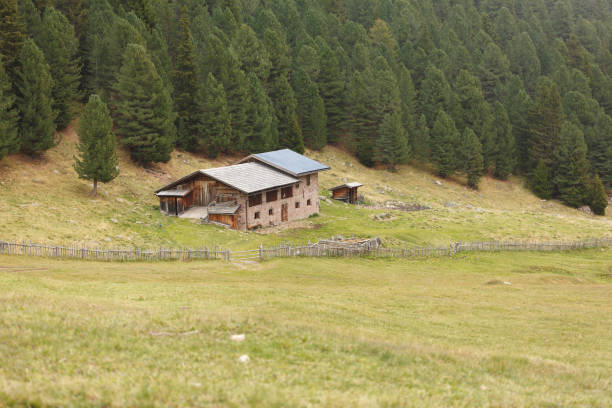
(255, 200)
(271, 193)
(286, 190)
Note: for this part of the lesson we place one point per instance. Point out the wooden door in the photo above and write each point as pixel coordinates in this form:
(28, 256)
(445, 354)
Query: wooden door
(284, 212)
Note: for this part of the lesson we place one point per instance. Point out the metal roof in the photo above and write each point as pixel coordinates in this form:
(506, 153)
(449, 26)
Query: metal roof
(173, 193)
(352, 184)
(246, 177)
(289, 161)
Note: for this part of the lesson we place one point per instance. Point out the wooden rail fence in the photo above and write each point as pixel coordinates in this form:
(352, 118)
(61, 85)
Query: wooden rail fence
(320, 249)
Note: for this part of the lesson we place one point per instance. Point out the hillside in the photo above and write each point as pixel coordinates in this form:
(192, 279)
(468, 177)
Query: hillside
(44, 201)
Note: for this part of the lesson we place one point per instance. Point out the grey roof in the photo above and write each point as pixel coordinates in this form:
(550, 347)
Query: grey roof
(173, 193)
(250, 177)
(246, 177)
(223, 209)
(289, 162)
(352, 184)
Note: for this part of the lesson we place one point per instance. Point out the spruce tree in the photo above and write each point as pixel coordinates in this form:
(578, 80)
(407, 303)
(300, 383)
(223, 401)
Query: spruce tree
(571, 166)
(444, 142)
(596, 196)
(434, 95)
(544, 122)
(420, 140)
(310, 110)
(215, 125)
(293, 138)
(57, 40)
(472, 158)
(143, 109)
(540, 181)
(12, 35)
(34, 100)
(97, 159)
(9, 116)
(261, 120)
(186, 95)
(392, 146)
(502, 151)
(331, 88)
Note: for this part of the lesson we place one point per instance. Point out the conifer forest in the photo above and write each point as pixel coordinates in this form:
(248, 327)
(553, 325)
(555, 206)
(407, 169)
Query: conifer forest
(467, 87)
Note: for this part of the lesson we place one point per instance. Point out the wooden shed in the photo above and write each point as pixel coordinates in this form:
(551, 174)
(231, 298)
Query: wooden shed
(346, 192)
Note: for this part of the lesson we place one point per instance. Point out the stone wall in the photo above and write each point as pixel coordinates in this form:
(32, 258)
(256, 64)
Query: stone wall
(270, 212)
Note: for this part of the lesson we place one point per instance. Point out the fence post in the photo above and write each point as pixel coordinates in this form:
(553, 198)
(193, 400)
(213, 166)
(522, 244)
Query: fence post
(260, 252)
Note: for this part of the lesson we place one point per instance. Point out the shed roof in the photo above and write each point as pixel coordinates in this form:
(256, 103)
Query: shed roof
(223, 208)
(173, 193)
(289, 161)
(353, 184)
(246, 177)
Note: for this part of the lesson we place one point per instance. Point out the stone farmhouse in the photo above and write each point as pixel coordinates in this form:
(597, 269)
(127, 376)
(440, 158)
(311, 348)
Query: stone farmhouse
(261, 190)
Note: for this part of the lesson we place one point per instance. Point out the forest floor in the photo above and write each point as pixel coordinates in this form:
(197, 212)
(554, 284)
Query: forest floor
(42, 200)
(473, 330)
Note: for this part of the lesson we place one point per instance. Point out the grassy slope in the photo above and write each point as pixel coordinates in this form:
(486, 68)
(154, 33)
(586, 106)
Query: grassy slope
(387, 333)
(44, 201)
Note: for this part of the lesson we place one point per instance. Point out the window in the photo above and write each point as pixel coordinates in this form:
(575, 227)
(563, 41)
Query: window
(287, 192)
(297, 204)
(308, 180)
(257, 215)
(308, 202)
(271, 196)
(254, 200)
(270, 212)
(297, 186)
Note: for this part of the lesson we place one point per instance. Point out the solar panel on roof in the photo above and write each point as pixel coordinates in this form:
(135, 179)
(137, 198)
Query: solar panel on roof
(290, 161)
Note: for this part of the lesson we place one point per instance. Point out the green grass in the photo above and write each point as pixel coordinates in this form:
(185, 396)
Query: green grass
(319, 332)
(44, 201)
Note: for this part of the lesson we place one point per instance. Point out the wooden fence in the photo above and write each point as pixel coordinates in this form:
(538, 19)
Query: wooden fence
(98, 254)
(320, 249)
(338, 250)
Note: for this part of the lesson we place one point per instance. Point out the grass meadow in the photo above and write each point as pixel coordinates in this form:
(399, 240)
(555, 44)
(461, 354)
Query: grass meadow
(319, 332)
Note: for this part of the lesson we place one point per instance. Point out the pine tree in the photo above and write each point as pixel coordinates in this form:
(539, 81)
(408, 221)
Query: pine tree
(97, 159)
(596, 196)
(540, 182)
(34, 100)
(57, 40)
(571, 166)
(9, 116)
(392, 146)
(12, 35)
(143, 109)
(472, 158)
(444, 141)
(186, 93)
(215, 125)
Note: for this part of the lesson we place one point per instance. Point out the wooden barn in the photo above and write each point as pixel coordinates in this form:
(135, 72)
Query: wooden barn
(261, 190)
(346, 192)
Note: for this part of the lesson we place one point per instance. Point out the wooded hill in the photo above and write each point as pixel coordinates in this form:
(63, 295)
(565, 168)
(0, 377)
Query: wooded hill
(505, 86)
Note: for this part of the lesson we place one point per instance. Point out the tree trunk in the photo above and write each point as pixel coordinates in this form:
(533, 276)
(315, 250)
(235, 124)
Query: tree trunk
(95, 188)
